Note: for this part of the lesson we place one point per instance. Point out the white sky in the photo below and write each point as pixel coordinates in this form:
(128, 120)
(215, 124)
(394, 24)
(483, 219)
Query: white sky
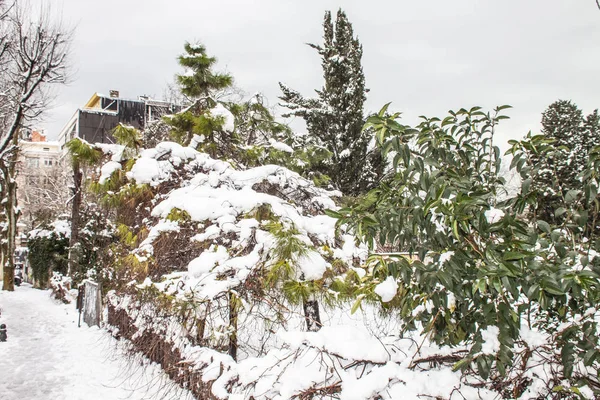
(426, 57)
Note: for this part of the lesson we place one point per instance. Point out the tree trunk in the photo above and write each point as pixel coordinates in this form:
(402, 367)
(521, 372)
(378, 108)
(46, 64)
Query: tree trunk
(233, 322)
(75, 213)
(312, 315)
(10, 215)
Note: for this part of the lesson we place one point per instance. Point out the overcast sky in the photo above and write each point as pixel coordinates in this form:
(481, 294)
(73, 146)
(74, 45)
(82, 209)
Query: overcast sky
(426, 56)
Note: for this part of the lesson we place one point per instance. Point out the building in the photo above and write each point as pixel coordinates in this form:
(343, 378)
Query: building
(41, 179)
(95, 121)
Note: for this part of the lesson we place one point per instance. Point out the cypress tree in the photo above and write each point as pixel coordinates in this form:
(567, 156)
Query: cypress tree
(335, 118)
(574, 136)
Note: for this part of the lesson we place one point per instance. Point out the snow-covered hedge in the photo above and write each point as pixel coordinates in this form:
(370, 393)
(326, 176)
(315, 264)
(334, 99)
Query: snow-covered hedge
(257, 248)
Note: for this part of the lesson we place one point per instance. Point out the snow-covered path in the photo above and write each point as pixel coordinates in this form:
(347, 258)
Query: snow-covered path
(48, 357)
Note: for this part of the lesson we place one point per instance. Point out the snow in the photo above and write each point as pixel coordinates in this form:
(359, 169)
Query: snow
(107, 170)
(312, 265)
(355, 343)
(349, 250)
(146, 247)
(149, 170)
(59, 228)
(494, 215)
(445, 257)
(491, 345)
(220, 111)
(115, 150)
(177, 151)
(533, 338)
(280, 146)
(363, 358)
(47, 356)
(387, 289)
(208, 260)
(212, 232)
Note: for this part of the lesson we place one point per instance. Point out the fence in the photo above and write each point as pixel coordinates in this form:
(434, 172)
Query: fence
(89, 302)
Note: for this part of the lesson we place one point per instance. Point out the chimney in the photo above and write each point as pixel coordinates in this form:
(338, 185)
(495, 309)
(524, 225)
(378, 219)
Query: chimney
(37, 136)
(114, 93)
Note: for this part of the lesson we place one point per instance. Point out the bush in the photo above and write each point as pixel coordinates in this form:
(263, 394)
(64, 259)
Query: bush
(48, 252)
(466, 262)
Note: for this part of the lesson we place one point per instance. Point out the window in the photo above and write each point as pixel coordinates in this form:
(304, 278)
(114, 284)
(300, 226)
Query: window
(48, 162)
(46, 148)
(33, 162)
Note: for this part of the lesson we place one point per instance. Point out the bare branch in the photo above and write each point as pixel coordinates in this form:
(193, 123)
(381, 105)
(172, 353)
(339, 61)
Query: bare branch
(35, 57)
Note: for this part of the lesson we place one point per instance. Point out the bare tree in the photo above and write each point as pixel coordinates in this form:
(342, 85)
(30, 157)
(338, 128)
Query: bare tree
(34, 58)
(42, 193)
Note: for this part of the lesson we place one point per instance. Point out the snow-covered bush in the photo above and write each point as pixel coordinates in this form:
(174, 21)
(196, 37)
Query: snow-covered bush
(245, 280)
(468, 269)
(96, 236)
(60, 286)
(48, 250)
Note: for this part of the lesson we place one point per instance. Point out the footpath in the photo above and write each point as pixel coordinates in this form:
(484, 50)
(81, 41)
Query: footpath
(47, 357)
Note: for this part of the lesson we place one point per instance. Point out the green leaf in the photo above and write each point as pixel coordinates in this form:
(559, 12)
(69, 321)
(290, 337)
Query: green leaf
(406, 155)
(571, 196)
(455, 229)
(461, 365)
(552, 289)
(357, 304)
(526, 185)
(513, 256)
(560, 211)
(544, 226)
(483, 367)
(581, 218)
(333, 214)
(384, 109)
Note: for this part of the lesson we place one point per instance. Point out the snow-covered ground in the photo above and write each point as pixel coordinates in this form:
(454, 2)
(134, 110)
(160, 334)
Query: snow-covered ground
(48, 357)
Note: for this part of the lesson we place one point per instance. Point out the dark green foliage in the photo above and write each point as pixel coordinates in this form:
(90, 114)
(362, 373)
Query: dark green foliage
(335, 118)
(93, 248)
(573, 136)
(201, 81)
(468, 263)
(199, 122)
(47, 253)
(259, 134)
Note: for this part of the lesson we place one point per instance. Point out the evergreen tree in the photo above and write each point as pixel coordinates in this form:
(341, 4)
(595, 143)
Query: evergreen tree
(200, 80)
(335, 118)
(573, 137)
(200, 83)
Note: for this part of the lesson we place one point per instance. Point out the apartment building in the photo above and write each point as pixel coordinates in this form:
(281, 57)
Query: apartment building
(40, 178)
(95, 121)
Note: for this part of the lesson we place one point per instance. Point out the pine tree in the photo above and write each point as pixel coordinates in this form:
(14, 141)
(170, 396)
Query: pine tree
(200, 80)
(200, 83)
(335, 118)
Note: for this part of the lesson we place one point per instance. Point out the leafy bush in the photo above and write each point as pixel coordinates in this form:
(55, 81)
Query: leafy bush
(48, 252)
(466, 265)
